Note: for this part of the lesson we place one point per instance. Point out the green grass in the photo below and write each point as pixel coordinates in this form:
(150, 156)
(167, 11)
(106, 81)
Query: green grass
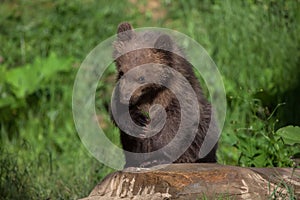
(255, 44)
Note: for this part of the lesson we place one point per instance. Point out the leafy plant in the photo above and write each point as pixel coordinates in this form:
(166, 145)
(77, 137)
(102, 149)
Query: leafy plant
(19, 83)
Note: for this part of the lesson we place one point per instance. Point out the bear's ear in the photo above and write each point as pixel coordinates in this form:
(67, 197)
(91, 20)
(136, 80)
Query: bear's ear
(163, 42)
(124, 26)
(125, 31)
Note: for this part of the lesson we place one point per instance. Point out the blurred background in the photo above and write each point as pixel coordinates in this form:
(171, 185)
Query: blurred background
(254, 43)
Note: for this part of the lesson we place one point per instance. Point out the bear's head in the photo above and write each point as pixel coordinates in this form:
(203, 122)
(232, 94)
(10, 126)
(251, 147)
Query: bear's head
(142, 60)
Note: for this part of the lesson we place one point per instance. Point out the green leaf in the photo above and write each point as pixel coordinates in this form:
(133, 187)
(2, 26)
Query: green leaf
(289, 134)
(23, 80)
(260, 159)
(27, 79)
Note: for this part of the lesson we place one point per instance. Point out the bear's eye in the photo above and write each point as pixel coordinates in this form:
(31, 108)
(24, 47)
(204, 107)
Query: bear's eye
(141, 79)
(121, 73)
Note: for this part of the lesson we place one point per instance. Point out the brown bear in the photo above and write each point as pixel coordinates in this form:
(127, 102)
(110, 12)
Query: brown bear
(129, 53)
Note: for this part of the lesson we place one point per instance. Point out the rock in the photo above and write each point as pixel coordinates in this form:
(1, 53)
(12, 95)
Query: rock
(195, 181)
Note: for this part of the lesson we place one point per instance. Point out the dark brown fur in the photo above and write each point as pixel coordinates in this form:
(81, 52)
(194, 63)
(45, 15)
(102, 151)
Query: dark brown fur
(143, 98)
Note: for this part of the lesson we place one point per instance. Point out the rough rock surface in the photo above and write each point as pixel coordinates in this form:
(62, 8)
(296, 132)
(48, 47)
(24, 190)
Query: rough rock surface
(195, 181)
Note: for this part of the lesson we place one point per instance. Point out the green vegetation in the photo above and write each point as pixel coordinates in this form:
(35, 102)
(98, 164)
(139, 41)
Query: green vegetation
(255, 44)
